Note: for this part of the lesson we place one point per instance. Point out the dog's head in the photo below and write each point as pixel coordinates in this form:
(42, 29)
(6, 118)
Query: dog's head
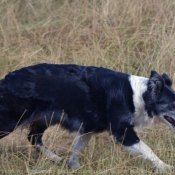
(160, 98)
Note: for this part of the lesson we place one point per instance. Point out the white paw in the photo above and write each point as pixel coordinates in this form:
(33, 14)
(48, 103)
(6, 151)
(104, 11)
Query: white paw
(163, 167)
(73, 163)
(55, 158)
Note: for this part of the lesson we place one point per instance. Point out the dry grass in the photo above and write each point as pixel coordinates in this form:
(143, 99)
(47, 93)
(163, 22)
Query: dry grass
(130, 36)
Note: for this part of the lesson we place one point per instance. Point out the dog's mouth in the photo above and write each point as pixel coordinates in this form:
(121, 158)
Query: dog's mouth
(170, 120)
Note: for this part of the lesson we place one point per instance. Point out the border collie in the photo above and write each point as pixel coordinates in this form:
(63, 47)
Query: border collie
(88, 100)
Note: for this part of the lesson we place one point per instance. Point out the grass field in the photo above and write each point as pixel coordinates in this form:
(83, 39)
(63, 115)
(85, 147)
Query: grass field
(133, 36)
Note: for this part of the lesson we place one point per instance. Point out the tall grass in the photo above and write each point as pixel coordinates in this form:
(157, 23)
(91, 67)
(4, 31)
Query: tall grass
(130, 36)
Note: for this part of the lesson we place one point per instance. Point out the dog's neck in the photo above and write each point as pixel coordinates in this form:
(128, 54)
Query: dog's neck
(141, 115)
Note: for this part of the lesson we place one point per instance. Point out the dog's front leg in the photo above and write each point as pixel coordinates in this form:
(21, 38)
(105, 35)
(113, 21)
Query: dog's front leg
(145, 152)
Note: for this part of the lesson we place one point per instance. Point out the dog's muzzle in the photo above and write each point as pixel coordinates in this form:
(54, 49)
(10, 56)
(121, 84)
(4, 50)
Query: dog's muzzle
(170, 120)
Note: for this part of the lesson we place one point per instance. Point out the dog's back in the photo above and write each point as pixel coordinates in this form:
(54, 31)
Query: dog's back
(44, 92)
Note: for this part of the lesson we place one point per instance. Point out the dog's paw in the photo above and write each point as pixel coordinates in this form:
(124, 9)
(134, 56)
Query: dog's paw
(73, 163)
(55, 158)
(163, 167)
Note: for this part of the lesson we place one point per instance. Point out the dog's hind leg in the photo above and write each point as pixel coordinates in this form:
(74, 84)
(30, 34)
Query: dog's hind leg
(80, 143)
(35, 137)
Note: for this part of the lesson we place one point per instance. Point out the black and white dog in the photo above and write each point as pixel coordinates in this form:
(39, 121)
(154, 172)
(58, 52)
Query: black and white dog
(88, 100)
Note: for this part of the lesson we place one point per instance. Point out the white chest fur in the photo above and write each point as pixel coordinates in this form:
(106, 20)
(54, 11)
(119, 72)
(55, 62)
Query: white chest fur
(139, 86)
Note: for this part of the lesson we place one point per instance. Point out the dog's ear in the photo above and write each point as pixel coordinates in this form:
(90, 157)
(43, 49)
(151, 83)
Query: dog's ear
(154, 90)
(155, 85)
(167, 79)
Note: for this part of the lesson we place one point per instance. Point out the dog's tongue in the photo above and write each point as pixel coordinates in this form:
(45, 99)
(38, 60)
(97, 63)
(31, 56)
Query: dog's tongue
(170, 120)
